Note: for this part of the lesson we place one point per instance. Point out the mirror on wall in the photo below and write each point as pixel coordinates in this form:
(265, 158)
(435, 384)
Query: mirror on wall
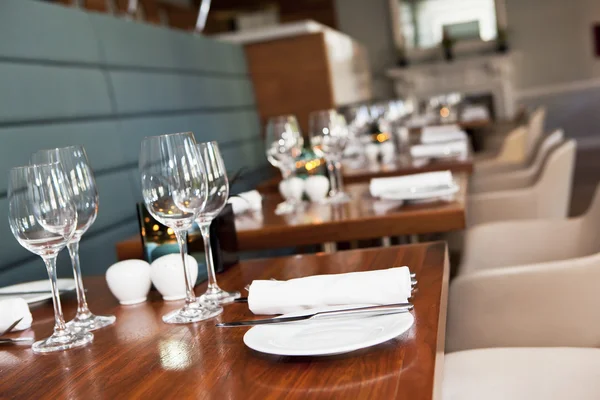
(424, 24)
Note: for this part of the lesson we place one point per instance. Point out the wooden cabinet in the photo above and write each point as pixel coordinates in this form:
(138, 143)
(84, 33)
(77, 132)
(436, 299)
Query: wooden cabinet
(302, 67)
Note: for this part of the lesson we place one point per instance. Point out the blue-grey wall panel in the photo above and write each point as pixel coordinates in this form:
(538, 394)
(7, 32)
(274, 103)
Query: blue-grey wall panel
(40, 92)
(40, 31)
(130, 44)
(117, 201)
(101, 140)
(145, 92)
(225, 127)
(248, 155)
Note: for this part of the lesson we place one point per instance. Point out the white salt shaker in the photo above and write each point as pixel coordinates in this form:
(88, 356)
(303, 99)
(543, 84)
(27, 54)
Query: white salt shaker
(167, 276)
(129, 281)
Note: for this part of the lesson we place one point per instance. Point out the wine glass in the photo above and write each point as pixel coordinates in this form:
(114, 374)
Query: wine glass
(43, 218)
(174, 190)
(328, 138)
(284, 144)
(80, 178)
(218, 193)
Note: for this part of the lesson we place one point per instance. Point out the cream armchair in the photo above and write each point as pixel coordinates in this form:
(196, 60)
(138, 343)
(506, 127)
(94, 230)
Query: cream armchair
(518, 148)
(548, 198)
(527, 332)
(542, 304)
(517, 178)
(510, 243)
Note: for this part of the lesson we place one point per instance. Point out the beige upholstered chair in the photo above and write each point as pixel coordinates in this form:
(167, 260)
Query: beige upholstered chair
(518, 148)
(522, 374)
(548, 198)
(511, 152)
(517, 178)
(526, 332)
(542, 304)
(510, 243)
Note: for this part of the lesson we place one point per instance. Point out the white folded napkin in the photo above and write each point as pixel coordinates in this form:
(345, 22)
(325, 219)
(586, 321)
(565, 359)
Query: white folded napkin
(475, 112)
(11, 310)
(417, 121)
(458, 148)
(442, 133)
(246, 201)
(378, 186)
(386, 286)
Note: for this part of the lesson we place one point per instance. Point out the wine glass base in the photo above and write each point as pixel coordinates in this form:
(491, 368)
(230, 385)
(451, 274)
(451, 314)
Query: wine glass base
(338, 198)
(63, 341)
(91, 322)
(192, 313)
(218, 296)
(289, 207)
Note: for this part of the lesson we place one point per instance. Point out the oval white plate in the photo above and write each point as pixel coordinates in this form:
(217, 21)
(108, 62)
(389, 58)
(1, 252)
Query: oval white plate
(63, 284)
(420, 194)
(326, 337)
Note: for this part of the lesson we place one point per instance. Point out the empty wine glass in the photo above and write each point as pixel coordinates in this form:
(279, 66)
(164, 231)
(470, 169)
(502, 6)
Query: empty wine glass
(328, 138)
(174, 190)
(80, 177)
(43, 218)
(284, 144)
(218, 193)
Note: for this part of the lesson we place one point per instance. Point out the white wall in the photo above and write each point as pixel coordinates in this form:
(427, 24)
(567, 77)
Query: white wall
(554, 40)
(368, 21)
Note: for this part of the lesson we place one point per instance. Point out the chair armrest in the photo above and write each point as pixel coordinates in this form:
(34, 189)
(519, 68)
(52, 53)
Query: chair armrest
(500, 206)
(549, 304)
(510, 243)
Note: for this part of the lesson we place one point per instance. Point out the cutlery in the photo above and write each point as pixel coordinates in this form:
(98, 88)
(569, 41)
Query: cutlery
(362, 311)
(11, 327)
(16, 340)
(33, 292)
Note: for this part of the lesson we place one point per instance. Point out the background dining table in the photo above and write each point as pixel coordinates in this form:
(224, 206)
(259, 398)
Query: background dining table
(403, 165)
(141, 357)
(363, 217)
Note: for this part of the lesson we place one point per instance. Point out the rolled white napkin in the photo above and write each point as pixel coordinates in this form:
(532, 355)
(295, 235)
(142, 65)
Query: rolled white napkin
(378, 186)
(458, 148)
(386, 286)
(475, 112)
(246, 201)
(13, 309)
(442, 133)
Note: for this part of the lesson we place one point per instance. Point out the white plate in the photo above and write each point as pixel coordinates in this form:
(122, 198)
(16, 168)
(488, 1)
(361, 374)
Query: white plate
(423, 193)
(326, 337)
(63, 284)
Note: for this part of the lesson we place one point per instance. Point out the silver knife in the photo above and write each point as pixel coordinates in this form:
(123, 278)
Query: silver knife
(361, 311)
(15, 340)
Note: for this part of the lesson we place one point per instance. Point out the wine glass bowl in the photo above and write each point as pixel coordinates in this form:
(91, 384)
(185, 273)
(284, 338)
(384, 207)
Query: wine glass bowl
(43, 219)
(175, 190)
(80, 178)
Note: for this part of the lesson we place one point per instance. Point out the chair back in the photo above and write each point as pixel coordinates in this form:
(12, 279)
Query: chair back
(589, 233)
(553, 188)
(513, 147)
(535, 132)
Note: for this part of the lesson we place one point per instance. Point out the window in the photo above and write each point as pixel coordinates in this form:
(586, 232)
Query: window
(423, 21)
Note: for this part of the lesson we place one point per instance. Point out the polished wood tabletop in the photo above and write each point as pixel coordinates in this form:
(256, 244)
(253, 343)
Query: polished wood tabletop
(364, 217)
(402, 166)
(140, 357)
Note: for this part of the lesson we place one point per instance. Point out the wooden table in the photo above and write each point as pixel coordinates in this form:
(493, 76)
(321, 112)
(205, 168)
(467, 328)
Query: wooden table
(403, 166)
(364, 217)
(142, 358)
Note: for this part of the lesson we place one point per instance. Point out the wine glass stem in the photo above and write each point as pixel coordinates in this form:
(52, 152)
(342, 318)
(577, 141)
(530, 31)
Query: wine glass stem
(333, 189)
(82, 307)
(190, 296)
(59, 321)
(210, 265)
(338, 175)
